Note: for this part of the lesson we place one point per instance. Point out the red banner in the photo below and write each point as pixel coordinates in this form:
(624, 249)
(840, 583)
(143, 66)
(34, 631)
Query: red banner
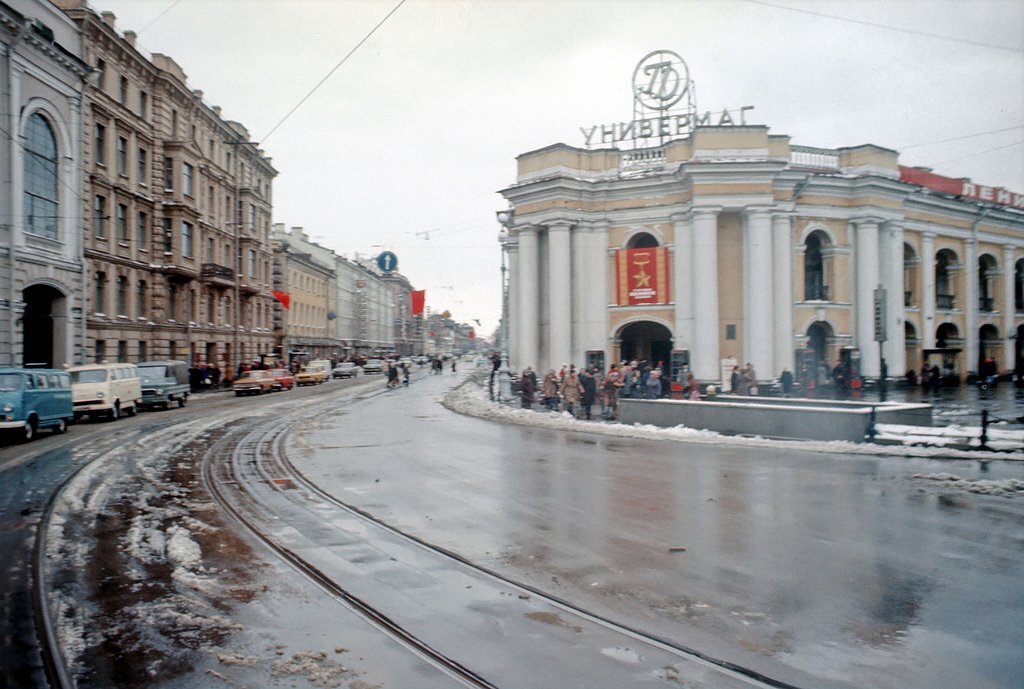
(282, 297)
(642, 276)
(419, 298)
(960, 187)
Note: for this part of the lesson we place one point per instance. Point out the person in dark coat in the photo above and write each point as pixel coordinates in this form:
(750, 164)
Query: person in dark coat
(589, 395)
(527, 387)
(787, 382)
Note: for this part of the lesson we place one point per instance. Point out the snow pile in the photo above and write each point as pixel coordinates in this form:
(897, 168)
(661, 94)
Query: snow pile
(1005, 488)
(470, 398)
(965, 436)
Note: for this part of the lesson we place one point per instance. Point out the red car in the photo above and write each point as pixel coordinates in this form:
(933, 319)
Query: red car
(283, 379)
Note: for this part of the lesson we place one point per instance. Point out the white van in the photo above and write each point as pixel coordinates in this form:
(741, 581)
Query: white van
(105, 390)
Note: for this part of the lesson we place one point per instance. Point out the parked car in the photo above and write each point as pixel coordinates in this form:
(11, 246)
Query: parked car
(311, 375)
(284, 379)
(254, 383)
(323, 364)
(164, 382)
(31, 399)
(373, 366)
(346, 369)
(105, 390)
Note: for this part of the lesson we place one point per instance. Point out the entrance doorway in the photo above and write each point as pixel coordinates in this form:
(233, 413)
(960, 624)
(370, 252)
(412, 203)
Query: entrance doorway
(44, 327)
(645, 341)
(818, 337)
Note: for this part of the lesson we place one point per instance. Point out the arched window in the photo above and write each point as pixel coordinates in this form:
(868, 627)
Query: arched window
(910, 261)
(945, 264)
(642, 240)
(815, 288)
(40, 178)
(987, 271)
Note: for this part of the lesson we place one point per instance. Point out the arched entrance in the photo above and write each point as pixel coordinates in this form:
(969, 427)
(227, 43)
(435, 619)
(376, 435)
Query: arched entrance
(645, 341)
(44, 327)
(818, 337)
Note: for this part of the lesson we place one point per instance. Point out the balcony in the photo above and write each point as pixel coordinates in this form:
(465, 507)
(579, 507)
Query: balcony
(944, 301)
(986, 304)
(216, 274)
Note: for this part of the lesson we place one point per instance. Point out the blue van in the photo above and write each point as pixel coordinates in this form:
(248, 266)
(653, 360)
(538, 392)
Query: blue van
(34, 398)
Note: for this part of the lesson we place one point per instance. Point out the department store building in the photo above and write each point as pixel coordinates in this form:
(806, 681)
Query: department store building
(681, 234)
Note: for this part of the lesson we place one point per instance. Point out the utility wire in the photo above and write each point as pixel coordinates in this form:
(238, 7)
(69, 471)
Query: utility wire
(154, 19)
(978, 153)
(965, 136)
(333, 70)
(886, 26)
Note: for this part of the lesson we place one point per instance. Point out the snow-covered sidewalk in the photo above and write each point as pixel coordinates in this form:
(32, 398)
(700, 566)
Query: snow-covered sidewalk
(471, 398)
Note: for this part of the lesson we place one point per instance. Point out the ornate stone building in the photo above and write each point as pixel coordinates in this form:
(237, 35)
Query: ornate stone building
(729, 242)
(177, 204)
(41, 82)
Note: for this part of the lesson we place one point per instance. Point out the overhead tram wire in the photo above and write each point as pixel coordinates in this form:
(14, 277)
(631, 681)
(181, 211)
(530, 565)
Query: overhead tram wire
(888, 27)
(334, 69)
(978, 153)
(157, 17)
(960, 138)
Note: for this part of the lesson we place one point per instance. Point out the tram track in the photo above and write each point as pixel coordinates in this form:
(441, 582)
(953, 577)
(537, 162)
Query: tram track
(258, 456)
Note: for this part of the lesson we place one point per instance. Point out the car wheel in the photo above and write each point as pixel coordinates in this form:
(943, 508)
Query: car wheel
(61, 427)
(131, 411)
(238, 394)
(182, 400)
(28, 433)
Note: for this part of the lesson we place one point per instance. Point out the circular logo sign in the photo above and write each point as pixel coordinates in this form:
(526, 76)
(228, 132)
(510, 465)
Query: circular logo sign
(387, 261)
(660, 80)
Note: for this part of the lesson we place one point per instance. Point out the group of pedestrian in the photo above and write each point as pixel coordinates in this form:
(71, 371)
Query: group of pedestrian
(744, 380)
(578, 391)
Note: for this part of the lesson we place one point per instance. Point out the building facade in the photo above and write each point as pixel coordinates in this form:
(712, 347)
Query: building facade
(304, 271)
(730, 243)
(41, 270)
(177, 205)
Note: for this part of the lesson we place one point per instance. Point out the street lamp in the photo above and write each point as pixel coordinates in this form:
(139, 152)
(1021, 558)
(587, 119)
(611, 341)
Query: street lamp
(505, 218)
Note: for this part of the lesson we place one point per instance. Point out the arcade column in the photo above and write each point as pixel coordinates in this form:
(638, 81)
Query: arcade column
(559, 295)
(529, 298)
(866, 279)
(704, 268)
(757, 286)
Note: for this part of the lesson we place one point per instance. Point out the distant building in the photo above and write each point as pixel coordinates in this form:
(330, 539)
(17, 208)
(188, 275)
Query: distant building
(177, 206)
(304, 329)
(42, 318)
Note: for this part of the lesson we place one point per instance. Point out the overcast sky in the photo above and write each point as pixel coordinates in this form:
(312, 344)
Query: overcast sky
(420, 127)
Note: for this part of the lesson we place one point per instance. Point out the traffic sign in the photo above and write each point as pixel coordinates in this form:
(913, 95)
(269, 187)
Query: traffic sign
(387, 261)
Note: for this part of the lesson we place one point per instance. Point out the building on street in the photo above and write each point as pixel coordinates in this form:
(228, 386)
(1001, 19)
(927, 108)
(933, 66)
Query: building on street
(694, 236)
(177, 205)
(42, 76)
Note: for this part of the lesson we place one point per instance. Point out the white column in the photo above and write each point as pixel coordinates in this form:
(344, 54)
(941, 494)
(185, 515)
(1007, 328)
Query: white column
(1009, 308)
(928, 289)
(704, 267)
(559, 295)
(757, 287)
(514, 352)
(782, 269)
(529, 299)
(970, 306)
(579, 244)
(594, 298)
(682, 281)
(866, 275)
(892, 280)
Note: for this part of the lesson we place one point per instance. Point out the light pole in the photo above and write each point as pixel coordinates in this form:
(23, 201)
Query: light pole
(505, 218)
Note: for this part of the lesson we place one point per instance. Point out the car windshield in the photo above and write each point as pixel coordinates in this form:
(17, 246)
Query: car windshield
(150, 373)
(9, 382)
(281, 372)
(92, 375)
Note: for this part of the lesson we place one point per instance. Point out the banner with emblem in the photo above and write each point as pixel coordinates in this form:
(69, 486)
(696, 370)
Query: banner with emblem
(642, 276)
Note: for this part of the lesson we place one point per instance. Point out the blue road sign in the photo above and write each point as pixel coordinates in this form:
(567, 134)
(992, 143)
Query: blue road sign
(387, 261)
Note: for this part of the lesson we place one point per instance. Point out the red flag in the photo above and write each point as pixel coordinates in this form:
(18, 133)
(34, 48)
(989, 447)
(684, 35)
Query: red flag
(419, 298)
(471, 335)
(282, 297)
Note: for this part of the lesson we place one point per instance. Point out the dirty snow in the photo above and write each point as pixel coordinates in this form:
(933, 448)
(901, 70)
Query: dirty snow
(471, 399)
(1005, 488)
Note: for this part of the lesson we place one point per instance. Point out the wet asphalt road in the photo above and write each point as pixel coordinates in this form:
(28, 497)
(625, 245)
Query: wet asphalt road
(815, 569)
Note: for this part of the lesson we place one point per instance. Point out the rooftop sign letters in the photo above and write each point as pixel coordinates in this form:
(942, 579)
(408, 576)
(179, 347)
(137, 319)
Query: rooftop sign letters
(664, 105)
